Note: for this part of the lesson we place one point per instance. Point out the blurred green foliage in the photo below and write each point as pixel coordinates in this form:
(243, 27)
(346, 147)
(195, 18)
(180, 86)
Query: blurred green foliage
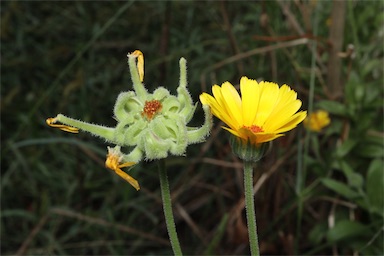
(70, 57)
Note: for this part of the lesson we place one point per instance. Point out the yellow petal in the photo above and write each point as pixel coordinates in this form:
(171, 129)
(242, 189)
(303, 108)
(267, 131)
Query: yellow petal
(233, 102)
(292, 122)
(268, 96)
(262, 138)
(279, 118)
(286, 106)
(286, 95)
(257, 138)
(204, 98)
(216, 109)
(236, 133)
(216, 91)
(250, 95)
(207, 99)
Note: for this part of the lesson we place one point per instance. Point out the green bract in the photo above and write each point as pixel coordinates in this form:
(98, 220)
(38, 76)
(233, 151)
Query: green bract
(151, 124)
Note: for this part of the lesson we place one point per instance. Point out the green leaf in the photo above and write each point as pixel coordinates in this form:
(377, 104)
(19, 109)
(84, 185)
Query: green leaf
(371, 150)
(340, 188)
(354, 92)
(345, 148)
(318, 232)
(354, 179)
(346, 229)
(333, 107)
(375, 185)
(370, 65)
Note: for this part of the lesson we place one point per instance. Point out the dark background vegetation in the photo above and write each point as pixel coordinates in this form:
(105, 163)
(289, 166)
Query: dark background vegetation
(316, 193)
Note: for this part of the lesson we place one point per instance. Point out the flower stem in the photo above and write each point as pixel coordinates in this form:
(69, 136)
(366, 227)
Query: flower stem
(106, 133)
(167, 206)
(250, 208)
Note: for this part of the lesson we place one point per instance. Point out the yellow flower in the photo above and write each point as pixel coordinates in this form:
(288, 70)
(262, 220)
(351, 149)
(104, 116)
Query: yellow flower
(263, 112)
(317, 120)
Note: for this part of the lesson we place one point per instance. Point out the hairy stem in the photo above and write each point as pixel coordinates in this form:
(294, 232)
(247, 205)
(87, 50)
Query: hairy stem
(167, 206)
(250, 208)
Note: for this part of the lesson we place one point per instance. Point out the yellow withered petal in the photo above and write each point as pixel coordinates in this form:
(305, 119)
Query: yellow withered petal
(113, 162)
(128, 178)
(140, 63)
(51, 122)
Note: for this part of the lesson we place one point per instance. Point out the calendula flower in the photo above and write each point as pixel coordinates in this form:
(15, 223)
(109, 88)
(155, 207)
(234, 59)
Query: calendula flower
(317, 120)
(263, 113)
(150, 125)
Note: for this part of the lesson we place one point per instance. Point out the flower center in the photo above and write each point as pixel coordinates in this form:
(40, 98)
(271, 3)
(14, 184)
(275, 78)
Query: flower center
(254, 128)
(151, 108)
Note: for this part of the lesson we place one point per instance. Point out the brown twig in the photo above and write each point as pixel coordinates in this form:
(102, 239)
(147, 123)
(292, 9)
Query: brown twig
(336, 37)
(104, 223)
(24, 246)
(243, 55)
(232, 39)
(187, 218)
(284, 5)
(290, 17)
(67, 213)
(264, 24)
